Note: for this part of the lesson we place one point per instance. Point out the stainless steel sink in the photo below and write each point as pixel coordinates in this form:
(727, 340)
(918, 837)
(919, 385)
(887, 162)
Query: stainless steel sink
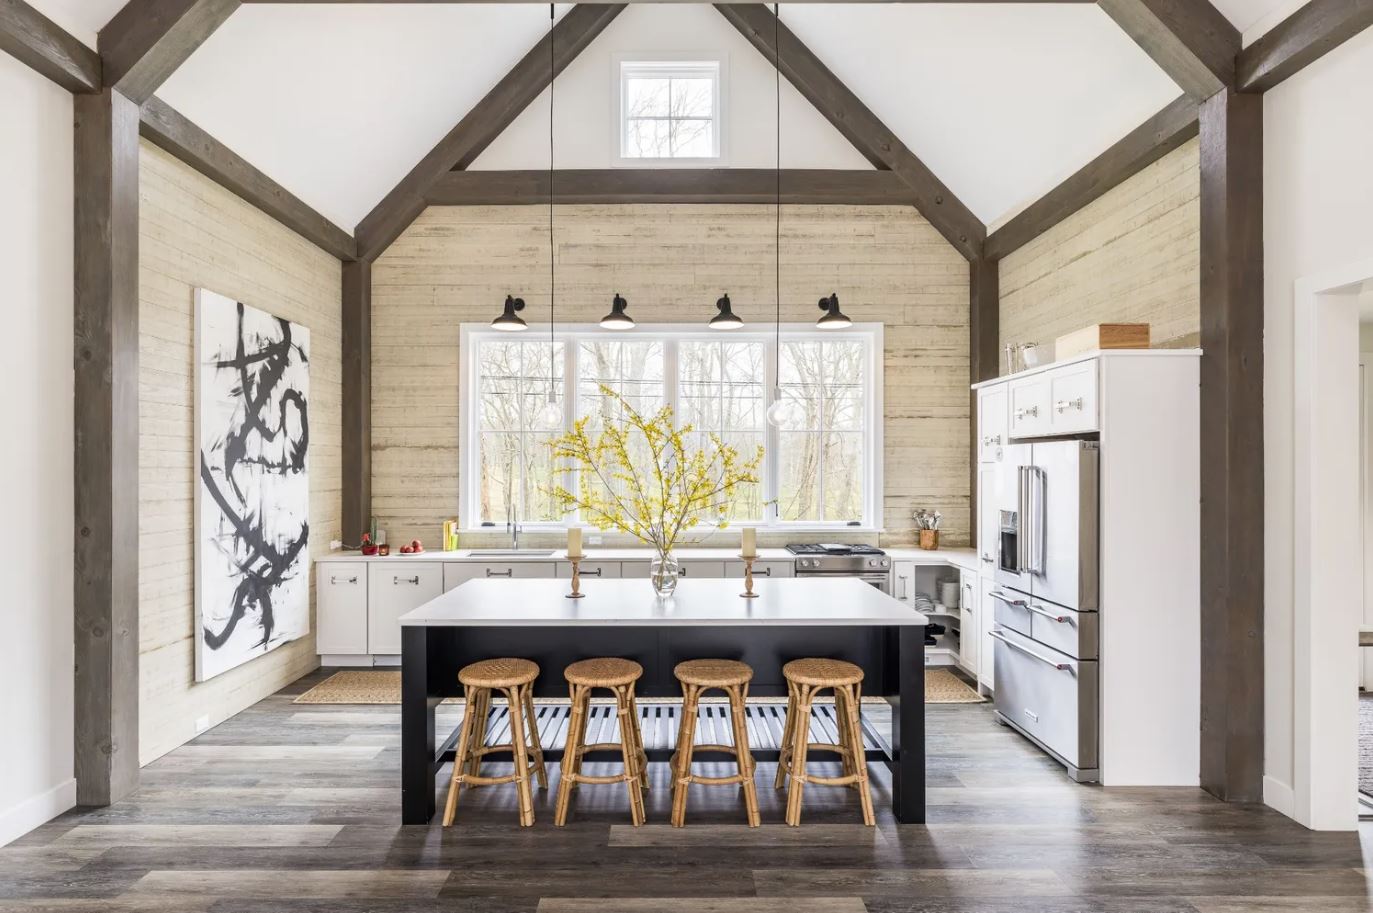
(510, 552)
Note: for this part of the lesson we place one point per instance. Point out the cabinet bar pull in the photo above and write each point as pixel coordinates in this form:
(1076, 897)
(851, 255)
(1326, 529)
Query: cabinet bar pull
(1027, 412)
(596, 573)
(1061, 667)
(1018, 603)
(765, 572)
(335, 580)
(508, 572)
(399, 580)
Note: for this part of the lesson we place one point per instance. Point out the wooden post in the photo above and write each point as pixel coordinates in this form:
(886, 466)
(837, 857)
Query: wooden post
(357, 398)
(106, 457)
(984, 333)
(1232, 446)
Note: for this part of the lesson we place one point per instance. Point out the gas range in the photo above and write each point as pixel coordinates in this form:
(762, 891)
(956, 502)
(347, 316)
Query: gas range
(831, 559)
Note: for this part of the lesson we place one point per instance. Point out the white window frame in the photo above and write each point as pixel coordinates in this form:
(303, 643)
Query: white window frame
(571, 336)
(670, 64)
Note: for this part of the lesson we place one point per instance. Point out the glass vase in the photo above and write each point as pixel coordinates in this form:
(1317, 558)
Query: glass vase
(663, 573)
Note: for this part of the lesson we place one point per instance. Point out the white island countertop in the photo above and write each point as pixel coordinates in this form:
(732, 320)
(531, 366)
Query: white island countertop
(965, 558)
(697, 602)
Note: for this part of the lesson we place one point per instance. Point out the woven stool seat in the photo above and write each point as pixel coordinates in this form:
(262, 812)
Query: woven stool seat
(822, 673)
(713, 673)
(603, 672)
(499, 673)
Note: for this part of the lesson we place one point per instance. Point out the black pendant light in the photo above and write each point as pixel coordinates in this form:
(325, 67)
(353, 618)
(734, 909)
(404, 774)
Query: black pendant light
(510, 320)
(726, 319)
(833, 319)
(617, 319)
(782, 412)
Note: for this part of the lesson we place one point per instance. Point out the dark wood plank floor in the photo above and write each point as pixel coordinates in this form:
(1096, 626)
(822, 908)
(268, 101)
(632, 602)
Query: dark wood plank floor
(292, 807)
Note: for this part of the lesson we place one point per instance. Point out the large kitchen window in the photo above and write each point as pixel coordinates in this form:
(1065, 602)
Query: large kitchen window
(821, 467)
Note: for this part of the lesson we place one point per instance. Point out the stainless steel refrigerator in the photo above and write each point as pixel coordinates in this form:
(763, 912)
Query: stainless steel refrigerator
(1047, 573)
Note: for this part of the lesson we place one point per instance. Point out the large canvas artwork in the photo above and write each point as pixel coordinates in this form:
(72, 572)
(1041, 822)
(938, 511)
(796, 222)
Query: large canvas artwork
(252, 379)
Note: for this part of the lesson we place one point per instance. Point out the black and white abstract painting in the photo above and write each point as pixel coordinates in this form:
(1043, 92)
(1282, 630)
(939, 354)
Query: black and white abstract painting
(252, 379)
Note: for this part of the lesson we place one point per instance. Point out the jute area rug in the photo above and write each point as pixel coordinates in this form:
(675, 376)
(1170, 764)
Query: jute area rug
(382, 686)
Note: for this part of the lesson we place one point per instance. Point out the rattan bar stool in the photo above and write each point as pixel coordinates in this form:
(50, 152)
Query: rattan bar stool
(619, 676)
(805, 679)
(731, 677)
(515, 678)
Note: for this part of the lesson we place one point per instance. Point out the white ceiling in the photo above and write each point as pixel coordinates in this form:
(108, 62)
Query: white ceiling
(337, 102)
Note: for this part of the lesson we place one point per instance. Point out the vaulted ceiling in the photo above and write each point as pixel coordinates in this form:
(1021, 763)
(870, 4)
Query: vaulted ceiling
(337, 102)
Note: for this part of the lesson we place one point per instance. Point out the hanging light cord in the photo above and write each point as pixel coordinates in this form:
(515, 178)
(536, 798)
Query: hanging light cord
(777, 240)
(552, 255)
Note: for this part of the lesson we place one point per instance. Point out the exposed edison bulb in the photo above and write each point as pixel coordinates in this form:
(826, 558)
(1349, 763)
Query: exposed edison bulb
(783, 410)
(551, 413)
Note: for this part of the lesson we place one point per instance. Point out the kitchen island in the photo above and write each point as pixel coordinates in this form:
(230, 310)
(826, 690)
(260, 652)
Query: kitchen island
(706, 618)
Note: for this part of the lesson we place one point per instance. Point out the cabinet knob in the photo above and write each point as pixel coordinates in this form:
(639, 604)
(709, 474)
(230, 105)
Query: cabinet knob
(415, 581)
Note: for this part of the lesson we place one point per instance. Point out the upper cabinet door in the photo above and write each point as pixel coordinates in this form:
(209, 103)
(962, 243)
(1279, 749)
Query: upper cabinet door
(991, 423)
(1073, 399)
(1030, 407)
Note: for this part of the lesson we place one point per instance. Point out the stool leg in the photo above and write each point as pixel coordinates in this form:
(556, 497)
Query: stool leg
(520, 754)
(450, 809)
(639, 739)
(630, 751)
(686, 740)
(788, 733)
(481, 716)
(855, 729)
(742, 754)
(575, 725)
(841, 722)
(536, 748)
(799, 743)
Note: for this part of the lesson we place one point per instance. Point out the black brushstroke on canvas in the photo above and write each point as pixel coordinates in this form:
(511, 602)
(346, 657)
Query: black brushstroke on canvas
(263, 565)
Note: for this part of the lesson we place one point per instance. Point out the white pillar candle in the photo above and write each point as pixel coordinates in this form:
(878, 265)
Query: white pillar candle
(574, 542)
(749, 547)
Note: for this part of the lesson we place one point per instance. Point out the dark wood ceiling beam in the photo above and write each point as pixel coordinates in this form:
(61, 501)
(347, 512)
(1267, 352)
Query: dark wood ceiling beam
(671, 185)
(1141, 147)
(357, 399)
(577, 29)
(1303, 37)
(858, 124)
(545, 2)
(1190, 40)
(148, 39)
(164, 127)
(36, 41)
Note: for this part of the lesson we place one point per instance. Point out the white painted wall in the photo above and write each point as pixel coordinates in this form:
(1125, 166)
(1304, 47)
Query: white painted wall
(1318, 218)
(586, 92)
(36, 459)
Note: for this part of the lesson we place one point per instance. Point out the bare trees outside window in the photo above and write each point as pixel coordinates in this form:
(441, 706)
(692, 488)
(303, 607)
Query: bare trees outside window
(670, 110)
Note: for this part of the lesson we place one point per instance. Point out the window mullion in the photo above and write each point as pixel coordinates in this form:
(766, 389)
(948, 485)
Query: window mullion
(772, 455)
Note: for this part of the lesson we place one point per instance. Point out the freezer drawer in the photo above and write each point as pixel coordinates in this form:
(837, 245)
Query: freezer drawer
(1012, 609)
(1064, 629)
(1050, 697)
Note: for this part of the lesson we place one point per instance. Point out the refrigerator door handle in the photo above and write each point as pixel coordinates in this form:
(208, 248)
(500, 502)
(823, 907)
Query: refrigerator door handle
(1039, 518)
(1022, 538)
(1001, 638)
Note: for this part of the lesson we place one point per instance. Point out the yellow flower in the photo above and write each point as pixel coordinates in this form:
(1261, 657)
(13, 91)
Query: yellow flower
(639, 476)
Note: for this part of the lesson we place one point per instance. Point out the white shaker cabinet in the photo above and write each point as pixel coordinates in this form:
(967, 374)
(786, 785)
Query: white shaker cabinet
(455, 575)
(341, 601)
(393, 589)
(903, 581)
(969, 634)
(687, 569)
(991, 424)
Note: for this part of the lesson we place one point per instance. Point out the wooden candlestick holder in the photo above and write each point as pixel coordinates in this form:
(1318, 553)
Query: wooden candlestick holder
(576, 579)
(748, 578)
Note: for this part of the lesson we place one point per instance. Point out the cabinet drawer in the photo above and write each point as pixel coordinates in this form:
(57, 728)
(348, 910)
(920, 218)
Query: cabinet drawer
(393, 589)
(1051, 696)
(1011, 609)
(688, 569)
(1073, 633)
(735, 569)
(1029, 408)
(606, 570)
(455, 574)
(341, 607)
(1073, 399)
(991, 423)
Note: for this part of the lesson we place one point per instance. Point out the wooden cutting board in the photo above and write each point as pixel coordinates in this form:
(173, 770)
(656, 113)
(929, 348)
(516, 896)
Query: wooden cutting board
(1102, 336)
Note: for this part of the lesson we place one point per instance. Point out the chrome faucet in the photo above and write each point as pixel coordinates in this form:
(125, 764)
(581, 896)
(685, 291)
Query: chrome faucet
(512, 526)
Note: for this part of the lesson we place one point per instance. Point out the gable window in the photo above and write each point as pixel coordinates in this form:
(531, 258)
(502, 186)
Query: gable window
(669, 110)
(821, 467)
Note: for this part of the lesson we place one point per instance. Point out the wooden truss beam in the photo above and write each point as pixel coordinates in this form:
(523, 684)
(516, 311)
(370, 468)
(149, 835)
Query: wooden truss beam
(105, 360)
(1190, 40)
(858, 124)
(577, 29)
(163, 126)
(671, 185)
(1303, 37)
(148, 39)
(1141, 147)
(35, 40)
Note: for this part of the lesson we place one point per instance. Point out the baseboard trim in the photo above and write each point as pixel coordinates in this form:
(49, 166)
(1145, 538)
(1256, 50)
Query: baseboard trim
(37, 811)
(1279, 797)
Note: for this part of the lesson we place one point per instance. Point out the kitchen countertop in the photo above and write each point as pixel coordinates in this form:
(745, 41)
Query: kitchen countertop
(696, 602)
(964, 558)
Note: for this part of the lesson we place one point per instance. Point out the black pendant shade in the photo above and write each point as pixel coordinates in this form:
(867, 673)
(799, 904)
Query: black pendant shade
(617, 319)
(833, 319)
(509, 320)
(725, 320)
